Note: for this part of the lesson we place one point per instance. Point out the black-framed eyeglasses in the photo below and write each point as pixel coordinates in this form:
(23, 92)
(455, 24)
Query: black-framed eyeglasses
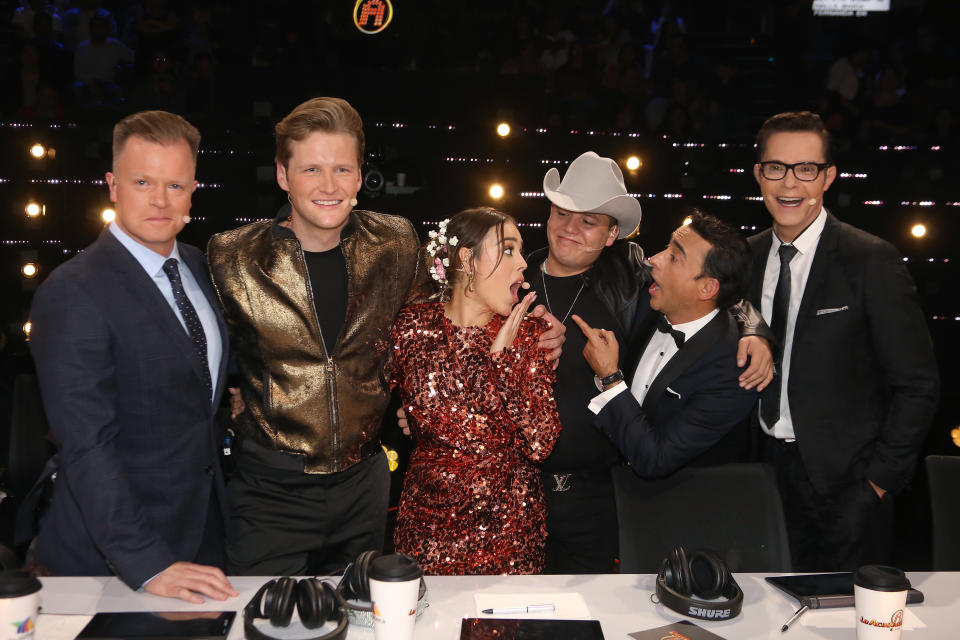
(805, 171)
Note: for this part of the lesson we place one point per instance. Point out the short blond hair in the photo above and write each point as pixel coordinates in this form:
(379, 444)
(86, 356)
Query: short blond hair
(159, 127)
(330, 115)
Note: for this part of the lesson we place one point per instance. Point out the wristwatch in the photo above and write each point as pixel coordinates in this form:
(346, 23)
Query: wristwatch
(606, 381)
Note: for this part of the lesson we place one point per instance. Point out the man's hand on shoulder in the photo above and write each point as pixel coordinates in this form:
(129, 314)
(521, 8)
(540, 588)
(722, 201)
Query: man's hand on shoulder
(760, 372)
(185, 580)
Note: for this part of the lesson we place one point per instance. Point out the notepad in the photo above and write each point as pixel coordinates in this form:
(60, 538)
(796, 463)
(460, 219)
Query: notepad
(503, 629)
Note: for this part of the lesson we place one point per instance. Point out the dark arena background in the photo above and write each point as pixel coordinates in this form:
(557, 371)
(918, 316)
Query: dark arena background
(679, 86)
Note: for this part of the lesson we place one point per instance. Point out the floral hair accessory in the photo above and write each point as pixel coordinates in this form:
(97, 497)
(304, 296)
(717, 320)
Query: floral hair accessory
(439, 247)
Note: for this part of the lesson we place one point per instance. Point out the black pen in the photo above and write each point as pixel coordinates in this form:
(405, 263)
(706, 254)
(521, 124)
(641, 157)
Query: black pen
(793, 618)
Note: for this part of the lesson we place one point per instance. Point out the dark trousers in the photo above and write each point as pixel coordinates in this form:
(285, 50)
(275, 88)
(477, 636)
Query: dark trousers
(581, 522)
(287, 522)
(839, 531)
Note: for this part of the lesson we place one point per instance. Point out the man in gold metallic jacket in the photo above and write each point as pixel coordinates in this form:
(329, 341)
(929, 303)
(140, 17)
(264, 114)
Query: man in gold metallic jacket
(310, 298)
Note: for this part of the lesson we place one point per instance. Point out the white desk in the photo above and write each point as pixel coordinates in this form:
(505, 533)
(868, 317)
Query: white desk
(621, 603)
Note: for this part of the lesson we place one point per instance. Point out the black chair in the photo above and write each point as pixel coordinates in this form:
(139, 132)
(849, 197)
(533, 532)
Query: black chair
(732, 509)
(943, 475)
(29, 450)
(29, 447)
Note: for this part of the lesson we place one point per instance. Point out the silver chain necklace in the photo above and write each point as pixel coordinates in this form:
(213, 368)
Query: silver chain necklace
(546, 296)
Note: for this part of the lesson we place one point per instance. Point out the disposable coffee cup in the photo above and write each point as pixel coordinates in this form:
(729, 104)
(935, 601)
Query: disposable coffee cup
(19, 605)
(880, 596)
(394, 587)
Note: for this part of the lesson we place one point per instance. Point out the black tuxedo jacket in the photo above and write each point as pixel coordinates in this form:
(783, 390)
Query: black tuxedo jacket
(863, 382)
(124, 395)
(692, 403)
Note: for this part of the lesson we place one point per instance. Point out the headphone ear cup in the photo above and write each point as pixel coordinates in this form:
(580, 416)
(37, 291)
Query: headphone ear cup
(677, 575)
(278, 602)
(361, 583)
(708, 574)
(329, 601)
(309, 603)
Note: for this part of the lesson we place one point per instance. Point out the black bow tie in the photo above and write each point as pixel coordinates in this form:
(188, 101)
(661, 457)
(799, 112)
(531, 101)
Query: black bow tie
(664, 327)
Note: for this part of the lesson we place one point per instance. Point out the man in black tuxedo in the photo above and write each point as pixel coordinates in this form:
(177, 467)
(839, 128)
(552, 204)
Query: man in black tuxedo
(131, 353)
(857, 386)
(685, 393)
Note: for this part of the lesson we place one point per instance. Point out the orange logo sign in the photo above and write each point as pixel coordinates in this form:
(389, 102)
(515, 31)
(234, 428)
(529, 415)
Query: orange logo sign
(372, 16)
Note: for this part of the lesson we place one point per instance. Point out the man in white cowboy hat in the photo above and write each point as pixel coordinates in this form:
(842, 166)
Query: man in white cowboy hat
(590, 270)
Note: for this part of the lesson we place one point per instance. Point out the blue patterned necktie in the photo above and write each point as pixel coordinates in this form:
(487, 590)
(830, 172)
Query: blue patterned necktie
(190, 318)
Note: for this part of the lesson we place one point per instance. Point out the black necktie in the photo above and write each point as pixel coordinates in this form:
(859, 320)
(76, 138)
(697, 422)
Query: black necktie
(770, 404)
(190, 318)
(664, 327)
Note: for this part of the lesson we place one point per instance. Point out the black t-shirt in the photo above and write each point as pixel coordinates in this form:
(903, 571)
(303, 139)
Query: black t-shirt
(581, 446)
(328, 277)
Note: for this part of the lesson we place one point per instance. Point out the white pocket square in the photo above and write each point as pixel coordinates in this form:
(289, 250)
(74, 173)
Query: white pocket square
(823, 312)
(673, 393)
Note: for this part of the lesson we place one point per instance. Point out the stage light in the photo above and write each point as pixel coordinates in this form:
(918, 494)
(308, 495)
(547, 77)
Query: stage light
(687, 220)
(496, 191)
(634, 163)
(38, 151)
(29, 270)
(918, 231)
(503, 129)
(34, 209)
(108, 215)
(27, 328)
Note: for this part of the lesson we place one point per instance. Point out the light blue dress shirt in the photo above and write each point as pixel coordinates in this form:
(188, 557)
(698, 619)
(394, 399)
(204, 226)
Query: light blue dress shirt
(152, 263)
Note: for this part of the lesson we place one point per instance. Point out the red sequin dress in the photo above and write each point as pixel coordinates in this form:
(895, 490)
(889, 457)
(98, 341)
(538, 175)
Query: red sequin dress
(472, 501)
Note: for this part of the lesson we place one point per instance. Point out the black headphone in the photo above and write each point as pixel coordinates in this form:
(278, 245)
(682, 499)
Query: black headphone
(316, 602)
(704, 575)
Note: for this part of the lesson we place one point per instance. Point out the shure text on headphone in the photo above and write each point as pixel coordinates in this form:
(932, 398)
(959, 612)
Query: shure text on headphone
(709, 613)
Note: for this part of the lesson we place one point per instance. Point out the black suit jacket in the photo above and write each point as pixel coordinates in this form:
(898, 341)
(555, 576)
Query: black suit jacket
(123, 392)
(863, 382)
(691, 405)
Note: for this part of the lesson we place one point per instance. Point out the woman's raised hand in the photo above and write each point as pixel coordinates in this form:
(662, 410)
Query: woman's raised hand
(511, 325)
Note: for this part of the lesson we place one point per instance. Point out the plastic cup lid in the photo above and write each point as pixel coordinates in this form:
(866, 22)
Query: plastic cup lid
(14, 584)
(880, 578)
(396, 567)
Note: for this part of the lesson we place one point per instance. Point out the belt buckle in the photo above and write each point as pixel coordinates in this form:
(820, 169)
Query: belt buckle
(561, 482)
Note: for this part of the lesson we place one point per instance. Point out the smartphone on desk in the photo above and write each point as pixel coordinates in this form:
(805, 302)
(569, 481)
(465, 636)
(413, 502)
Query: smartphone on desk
(159, 625)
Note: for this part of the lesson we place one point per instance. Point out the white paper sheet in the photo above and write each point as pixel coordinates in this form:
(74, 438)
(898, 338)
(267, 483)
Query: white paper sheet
(567, 606)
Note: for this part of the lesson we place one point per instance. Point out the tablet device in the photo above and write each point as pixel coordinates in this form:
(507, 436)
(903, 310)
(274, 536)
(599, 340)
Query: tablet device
(825, 590)
(142, 625)
(514, 629)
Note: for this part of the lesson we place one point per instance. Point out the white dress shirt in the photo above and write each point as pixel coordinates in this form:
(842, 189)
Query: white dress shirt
(806, 245)
(659, 351)
(152, 263)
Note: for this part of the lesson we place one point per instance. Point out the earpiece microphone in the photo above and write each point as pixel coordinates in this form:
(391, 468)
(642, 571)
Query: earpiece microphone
(525, 285)
(185, 219)
(812, 201)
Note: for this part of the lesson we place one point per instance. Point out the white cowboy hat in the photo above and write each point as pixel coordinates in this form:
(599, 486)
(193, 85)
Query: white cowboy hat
(594, 185)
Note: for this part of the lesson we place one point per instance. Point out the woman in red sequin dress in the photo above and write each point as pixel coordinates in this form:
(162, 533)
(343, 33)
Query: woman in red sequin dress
(479, 392)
